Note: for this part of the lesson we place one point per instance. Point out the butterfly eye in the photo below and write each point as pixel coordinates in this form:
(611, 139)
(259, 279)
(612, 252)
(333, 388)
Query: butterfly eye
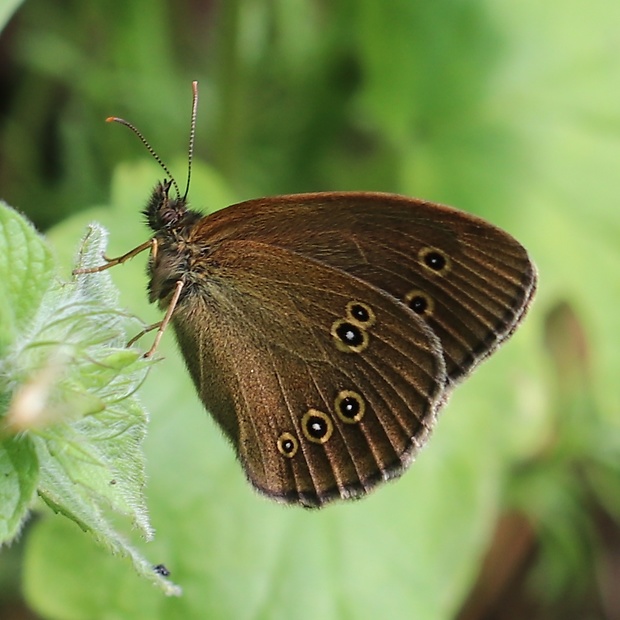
(349, 336)
(434, 260)
(317, 426)
(360, 313)
(350, 406)
(420, 302)
(288, 445)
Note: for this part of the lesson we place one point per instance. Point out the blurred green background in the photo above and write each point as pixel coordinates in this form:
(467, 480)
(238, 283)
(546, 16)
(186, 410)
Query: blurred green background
(505, 109)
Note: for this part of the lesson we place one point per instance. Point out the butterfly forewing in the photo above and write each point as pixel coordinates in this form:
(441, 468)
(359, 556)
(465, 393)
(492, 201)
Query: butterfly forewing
(468, 280)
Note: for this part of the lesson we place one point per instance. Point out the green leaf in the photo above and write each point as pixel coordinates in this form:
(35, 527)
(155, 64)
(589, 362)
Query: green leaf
(19, 475)
(72, 426)
(25, 274)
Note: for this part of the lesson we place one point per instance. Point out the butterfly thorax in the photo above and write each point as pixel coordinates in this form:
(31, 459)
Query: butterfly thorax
(176, 256)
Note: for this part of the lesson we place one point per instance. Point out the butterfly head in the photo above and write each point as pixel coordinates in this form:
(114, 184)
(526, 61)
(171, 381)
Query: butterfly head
(164, 212)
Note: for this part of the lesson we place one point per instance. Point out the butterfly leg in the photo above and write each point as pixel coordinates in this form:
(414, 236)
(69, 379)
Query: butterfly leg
(111, 262)
(161, 325)
(145, 331)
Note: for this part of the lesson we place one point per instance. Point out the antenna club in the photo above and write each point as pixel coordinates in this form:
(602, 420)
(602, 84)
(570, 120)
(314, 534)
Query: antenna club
(112, 119)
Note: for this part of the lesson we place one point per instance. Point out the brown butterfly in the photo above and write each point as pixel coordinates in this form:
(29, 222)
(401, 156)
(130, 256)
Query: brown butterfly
(324, 331)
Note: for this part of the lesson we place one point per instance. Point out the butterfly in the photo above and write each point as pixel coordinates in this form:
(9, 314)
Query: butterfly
(324, 331)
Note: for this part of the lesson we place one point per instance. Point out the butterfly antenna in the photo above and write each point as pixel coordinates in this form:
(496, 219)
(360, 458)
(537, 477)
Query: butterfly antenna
(149, 148)
(192, 135)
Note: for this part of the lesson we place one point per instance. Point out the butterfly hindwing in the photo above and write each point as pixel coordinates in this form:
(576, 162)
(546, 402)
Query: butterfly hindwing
(325, 384)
